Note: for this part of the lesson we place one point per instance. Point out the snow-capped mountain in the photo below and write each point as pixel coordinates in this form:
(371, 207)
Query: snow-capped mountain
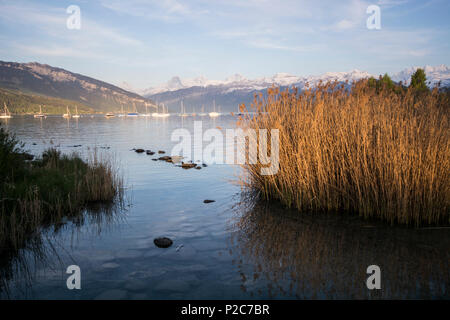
(236, 89)
(175, 83)
(199, 93)
(438, 74)
(239, 82)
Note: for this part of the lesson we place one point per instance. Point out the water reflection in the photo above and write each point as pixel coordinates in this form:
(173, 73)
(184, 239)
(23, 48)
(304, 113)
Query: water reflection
(318, 256)
(42, 248)
(276, 253)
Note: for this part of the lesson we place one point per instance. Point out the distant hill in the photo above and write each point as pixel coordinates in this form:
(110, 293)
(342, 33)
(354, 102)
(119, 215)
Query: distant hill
(35, 78)
(22, 103)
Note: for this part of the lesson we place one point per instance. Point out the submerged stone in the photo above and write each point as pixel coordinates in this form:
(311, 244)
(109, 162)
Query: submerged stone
(163, 242)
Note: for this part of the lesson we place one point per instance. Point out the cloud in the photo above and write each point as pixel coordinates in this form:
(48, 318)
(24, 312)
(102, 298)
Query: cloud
(55, 51)
(388, 43)
(51, 22)
(345, 24)
(169, 11)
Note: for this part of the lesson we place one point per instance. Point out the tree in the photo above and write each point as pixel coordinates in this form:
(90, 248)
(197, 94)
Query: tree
(372, 82)
(418, 80)
(387, 81)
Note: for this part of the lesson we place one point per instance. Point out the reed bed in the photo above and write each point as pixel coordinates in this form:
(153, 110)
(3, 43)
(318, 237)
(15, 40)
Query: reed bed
(379, 153)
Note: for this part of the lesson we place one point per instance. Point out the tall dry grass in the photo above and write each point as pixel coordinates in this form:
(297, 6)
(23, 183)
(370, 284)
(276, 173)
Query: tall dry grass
(379, 153)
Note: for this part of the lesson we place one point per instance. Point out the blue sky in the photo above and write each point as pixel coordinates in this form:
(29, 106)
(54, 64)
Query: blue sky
(146, 42)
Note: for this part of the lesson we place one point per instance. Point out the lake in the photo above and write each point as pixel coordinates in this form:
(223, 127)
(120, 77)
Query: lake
(233, 248)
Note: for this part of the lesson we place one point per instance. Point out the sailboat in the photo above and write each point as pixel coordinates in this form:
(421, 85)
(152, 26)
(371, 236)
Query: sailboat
(40, 114)
(164, 114)
(6, 114)
(122, 113)
(156, 114)
(239, 113)
(134, 113)
(214, 113)
(67, 115)
(203, 113)
(76, 115)
(183, 113)
(146, 114)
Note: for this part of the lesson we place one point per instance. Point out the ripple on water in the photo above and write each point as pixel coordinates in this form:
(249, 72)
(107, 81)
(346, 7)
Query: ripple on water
(128, 254)
(110, 265)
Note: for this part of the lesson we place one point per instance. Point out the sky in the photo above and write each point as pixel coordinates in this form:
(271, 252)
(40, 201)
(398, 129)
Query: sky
(146, 42)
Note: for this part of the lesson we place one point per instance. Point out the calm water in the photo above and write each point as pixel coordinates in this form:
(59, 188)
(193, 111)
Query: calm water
(234, 248)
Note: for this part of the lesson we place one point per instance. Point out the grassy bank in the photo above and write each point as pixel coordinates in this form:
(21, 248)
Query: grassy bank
(374, 151)
(39, 193)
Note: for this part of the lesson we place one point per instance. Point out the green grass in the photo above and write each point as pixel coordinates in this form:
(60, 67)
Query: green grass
(40, 193)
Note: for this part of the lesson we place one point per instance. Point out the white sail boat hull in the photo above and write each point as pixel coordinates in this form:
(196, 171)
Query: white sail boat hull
(6, 114)
(40, 114)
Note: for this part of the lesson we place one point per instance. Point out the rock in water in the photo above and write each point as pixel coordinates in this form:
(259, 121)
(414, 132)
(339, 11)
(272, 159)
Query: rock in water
(208, 201)
(163, 242)
(139, 150)
(165, 158)
(188, 165)
(161, 151)
(150, 153)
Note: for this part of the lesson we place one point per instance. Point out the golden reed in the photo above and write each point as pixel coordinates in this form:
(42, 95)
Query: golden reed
(379, 153)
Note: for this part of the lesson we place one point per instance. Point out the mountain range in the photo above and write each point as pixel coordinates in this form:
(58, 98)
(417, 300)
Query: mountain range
(229, 93)
(45, 80)
(196, 94)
